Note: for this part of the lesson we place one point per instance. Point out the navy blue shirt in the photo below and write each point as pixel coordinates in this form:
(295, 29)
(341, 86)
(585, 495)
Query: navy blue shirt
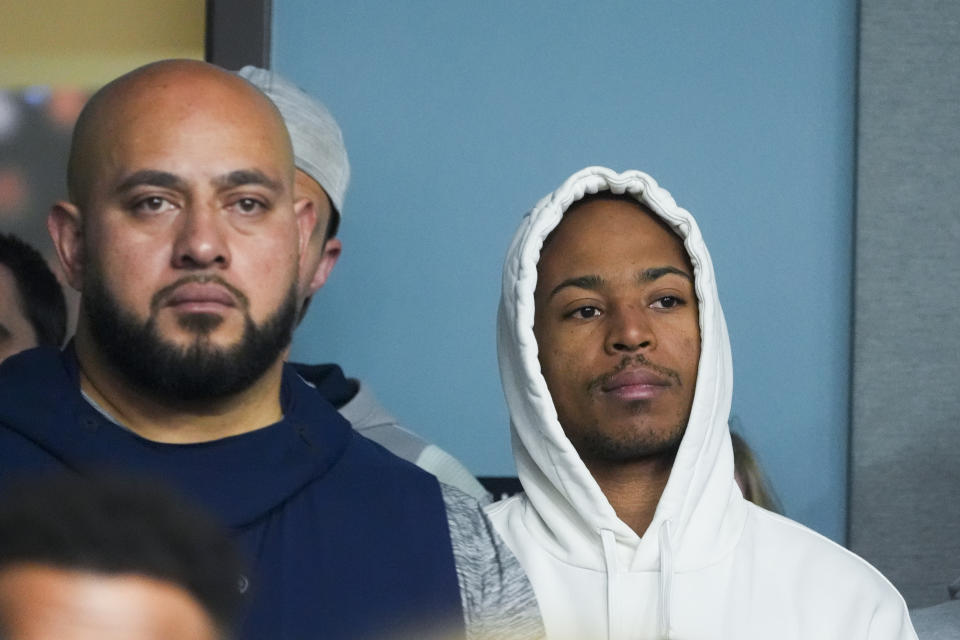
(345, 539)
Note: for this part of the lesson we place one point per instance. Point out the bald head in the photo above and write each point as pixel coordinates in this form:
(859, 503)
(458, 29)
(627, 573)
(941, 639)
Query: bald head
(183, 233)
(165, 92)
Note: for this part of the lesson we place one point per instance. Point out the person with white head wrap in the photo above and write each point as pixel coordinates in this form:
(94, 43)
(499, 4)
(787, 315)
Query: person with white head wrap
(323, 168)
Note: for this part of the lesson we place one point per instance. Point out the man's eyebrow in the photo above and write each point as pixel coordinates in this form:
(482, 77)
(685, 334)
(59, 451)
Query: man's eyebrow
(651, 274)
(153, 178)
(592, 283)
(242, 177)
(595, 282)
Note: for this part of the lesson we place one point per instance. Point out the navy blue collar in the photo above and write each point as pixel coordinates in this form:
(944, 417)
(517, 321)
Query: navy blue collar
(240, 477)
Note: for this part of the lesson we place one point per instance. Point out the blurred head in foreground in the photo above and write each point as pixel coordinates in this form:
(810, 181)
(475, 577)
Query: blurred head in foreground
(33, 311)
(83, 559)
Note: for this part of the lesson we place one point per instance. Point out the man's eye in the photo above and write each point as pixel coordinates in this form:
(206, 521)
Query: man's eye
(249, 205)
(153, 204)
(585, 313)
(667, 302)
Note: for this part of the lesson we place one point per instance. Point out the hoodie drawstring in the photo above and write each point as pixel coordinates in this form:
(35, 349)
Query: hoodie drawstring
(666, 580)
(610, 558)
(609, 541)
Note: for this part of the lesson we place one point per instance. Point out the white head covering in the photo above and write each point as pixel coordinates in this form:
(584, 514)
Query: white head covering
(317, 140)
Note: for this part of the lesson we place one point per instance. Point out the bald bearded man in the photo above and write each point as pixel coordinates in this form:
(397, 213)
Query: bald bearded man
(184, 239)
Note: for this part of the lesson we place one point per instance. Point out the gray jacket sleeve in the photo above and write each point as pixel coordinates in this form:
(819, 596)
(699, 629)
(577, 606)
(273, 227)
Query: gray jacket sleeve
(498, 601)
(373, 421)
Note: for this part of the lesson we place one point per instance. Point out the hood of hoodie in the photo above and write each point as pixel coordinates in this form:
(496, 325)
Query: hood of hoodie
(700, 514)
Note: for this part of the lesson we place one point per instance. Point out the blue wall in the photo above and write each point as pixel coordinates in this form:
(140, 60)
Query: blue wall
(459, 116)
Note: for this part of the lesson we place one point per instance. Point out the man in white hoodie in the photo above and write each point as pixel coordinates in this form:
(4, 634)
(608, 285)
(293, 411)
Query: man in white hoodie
(616, 366)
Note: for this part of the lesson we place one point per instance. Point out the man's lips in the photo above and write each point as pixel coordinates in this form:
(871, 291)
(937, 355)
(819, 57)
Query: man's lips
(635, 384)
(200, 297)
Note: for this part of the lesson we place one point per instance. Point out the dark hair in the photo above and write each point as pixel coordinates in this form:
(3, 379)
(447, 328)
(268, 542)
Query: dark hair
(606, 194)
(119, 525)
(333, 222)
(40, 292)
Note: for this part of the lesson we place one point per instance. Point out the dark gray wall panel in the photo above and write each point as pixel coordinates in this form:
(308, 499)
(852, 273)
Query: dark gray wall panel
(238, 33)
(905, 507)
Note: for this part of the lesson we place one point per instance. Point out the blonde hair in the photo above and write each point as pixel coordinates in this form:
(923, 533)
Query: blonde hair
(753, 482)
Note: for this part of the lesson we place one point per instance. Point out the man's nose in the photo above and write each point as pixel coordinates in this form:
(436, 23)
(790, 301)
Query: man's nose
(629, 331)
(201, 239)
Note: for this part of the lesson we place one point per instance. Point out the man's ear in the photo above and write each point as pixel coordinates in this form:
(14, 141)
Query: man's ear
(65, 225)
(306, 216)
(331, 253)
(309, 235)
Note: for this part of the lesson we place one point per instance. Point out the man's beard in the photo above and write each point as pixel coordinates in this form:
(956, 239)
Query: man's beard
(189, 374)
(595, 444)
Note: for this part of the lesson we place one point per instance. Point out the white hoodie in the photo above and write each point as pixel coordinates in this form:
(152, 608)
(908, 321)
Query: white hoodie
(710, 565)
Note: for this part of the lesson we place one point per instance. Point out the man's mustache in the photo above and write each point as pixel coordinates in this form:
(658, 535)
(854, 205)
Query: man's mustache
(157, 300)
(639, 359)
